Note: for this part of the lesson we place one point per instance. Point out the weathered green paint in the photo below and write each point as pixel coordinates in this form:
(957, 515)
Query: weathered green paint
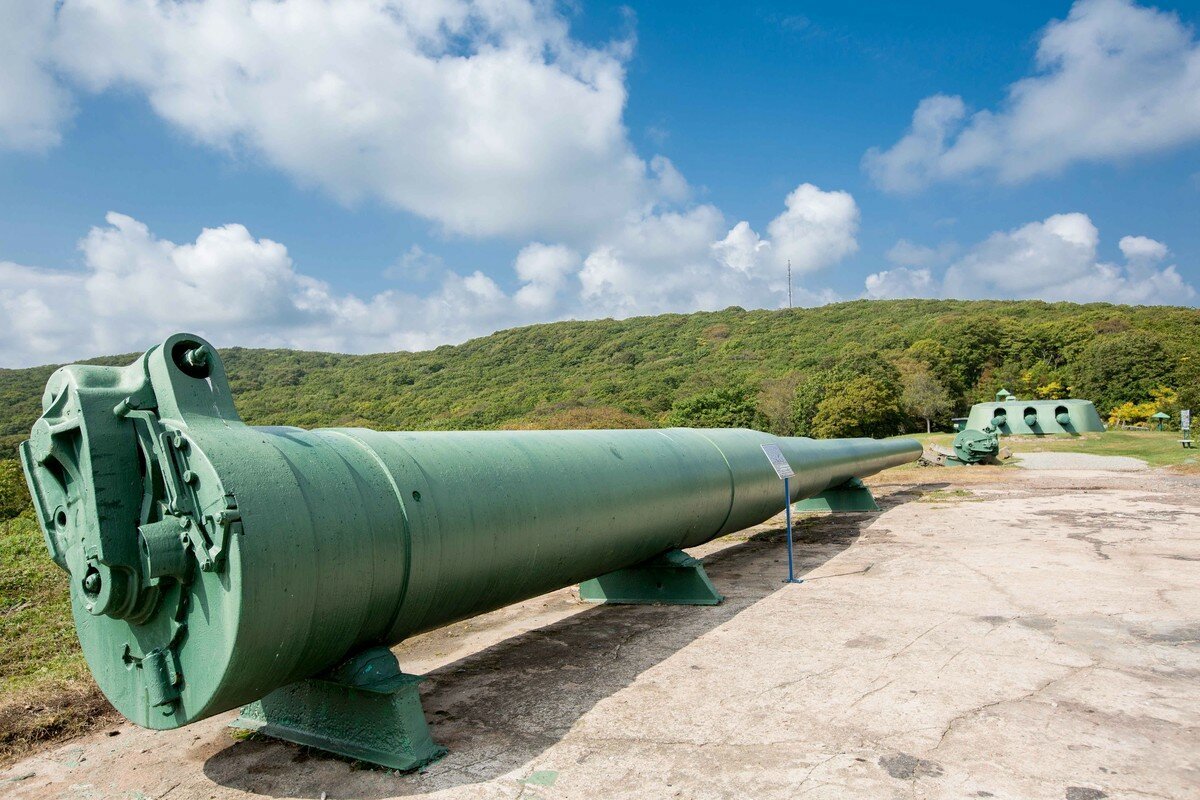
(366, 709)
(673, 578)
(212, 563)
(975, 447)
(1036, 417)
(849, 496)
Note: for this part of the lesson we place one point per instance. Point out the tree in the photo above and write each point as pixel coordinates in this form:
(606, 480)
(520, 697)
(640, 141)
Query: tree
(1166, 400)
(1123, 367)
(975, 340)
(923, 395)
(1131, 413)
(14, 496)
(1054, 390)
(1188, 381)
(850, 362)
(805, 401)
(731, 407)
(776, 404)
(937, 359)
(859, 407)
(1036, 380)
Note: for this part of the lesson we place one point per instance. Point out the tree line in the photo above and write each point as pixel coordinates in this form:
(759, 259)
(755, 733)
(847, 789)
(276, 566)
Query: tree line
(847, 369)
(1128, 374)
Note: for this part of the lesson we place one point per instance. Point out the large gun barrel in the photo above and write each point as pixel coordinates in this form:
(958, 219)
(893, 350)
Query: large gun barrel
(212, 563)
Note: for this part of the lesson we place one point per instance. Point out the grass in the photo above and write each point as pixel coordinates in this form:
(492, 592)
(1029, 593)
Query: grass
(46, 692)
(39, 642)
(946, 495)
(1156, 448)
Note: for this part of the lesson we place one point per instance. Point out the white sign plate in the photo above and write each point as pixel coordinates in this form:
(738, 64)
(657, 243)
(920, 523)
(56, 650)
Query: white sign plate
(1185, 419)
(782, 468)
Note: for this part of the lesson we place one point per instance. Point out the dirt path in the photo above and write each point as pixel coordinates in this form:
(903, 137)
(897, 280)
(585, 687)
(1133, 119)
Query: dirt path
(1020, 634)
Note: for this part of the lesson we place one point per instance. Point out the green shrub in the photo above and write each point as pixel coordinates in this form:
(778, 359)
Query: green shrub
(14, 493)
(860, 407)
(720, 408)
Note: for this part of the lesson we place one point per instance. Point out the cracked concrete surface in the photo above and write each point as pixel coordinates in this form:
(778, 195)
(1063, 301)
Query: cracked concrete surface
(1019, 635)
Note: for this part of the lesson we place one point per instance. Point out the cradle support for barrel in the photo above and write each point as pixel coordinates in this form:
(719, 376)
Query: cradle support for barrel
(849, 496)
(672, 578)
(365, 709)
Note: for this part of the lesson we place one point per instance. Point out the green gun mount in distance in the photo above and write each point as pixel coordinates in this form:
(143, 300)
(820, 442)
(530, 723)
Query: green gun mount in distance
(1036, 417)
(215, 565)
(970, 446)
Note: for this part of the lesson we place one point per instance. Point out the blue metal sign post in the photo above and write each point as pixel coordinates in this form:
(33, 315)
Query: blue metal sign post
(784, 470)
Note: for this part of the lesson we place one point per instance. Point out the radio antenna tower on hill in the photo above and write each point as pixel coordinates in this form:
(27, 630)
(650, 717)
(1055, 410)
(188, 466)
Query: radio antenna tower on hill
(789, 283)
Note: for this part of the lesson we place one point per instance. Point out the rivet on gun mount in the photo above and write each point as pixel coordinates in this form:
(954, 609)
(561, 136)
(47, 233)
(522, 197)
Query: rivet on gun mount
(215, 565)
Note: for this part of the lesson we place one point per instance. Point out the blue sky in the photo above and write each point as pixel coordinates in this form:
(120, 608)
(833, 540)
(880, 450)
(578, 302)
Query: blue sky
(367, 176)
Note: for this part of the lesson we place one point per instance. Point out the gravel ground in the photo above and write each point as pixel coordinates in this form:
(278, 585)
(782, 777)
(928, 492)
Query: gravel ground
(1079, 461)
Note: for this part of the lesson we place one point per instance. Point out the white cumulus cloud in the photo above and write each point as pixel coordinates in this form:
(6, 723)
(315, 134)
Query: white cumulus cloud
(662, 262)
(228, 285)
(136, 288)
(681, 261)
(741, 249)
(486, 117)
(545, 270)
(1055, 259)
(900, 282)
(817, 228)
(1112, 80)
(1143, 250)
(33, 106)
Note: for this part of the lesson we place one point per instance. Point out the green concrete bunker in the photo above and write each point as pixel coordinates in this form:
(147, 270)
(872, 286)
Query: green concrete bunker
(215, 565)
(1036, 417)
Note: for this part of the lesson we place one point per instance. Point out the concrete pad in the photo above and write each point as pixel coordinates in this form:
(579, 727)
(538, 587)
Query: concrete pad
(1079, 461)
(1015, 635)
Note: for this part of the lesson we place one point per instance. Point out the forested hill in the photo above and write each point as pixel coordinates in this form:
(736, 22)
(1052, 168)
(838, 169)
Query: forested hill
(843, 369)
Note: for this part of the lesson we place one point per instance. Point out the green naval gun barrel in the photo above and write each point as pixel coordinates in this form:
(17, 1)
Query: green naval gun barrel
(213, 564)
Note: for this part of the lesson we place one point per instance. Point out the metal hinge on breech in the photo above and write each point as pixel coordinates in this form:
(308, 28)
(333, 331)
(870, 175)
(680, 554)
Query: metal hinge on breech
(189, 517)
